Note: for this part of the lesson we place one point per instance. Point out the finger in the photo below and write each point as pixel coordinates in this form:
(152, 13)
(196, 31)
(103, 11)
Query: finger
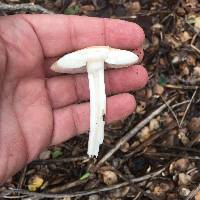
(66, 90)
(74, 119)
(59, 34)
(49, 61)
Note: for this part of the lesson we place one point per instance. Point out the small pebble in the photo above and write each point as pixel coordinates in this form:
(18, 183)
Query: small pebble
(184, 192)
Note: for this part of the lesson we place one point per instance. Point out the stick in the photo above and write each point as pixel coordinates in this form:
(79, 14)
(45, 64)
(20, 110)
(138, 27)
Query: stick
(89, 192)
(132, 133)
(186, 111)
(193, 41)
(182, 87)
(193, 193)
(63, 160)
(24, 7)
(173, 113)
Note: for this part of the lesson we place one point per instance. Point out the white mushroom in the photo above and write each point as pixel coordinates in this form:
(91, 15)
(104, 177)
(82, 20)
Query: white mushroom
(92, 60)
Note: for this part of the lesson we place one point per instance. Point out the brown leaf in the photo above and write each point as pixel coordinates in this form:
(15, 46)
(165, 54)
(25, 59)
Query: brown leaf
(109, 177)
(194, 124)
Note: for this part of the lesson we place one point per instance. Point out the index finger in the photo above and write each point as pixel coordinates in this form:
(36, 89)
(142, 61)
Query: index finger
(59, 34)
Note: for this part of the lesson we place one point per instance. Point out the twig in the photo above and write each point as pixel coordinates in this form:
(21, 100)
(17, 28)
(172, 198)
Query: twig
(132, 133)
(127, 17)
(76, 194)
(17, 197)
(173, 113)
(144, 13)
(120, 131)
(181, 87)
(196, 139)
(150, 141)
(24, 7)
(180, 104)
(187, 149)
(64, 160)
(161, 155)
(136, 187)
(197, 189)
(157, 135)
(138, 195)
(192, 43)
(142, 193)
(190, 81)
(89, 192)
(186, 111)
(22, 177)
(66, 186)
(117, 172)
(193, 193)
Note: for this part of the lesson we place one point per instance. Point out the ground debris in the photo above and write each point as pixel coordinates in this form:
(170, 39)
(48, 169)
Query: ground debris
(163, 151)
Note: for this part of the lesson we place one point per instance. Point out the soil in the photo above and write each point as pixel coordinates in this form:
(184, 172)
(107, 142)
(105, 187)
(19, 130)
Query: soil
(161, 159)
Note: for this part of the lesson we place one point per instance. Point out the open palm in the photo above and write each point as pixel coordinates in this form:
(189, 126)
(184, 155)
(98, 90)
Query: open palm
(39, 108)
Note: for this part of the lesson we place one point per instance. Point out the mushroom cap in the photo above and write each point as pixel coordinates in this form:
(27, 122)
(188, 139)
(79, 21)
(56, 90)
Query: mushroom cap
(75, 62)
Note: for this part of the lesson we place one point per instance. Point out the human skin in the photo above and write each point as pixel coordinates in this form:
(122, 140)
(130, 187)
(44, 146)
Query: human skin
(38, 107)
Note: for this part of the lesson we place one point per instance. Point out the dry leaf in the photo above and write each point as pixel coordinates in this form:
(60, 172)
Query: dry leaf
(125, 147)
(196, 72)
(161, 189)
(144, 134)
(35, 183)
(184, 192)
(184, 179)
(158, 89)
(133, 7)
(185, 36)
(109, 177)
(180, 165)
(154, 124)
(194, 124)
(141, 106)
(197, 196)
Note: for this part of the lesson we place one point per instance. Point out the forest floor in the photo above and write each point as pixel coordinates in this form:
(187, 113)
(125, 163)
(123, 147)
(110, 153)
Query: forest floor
(154, 153)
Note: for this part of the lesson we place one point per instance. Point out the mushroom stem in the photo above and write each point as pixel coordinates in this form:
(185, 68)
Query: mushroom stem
(97, 106)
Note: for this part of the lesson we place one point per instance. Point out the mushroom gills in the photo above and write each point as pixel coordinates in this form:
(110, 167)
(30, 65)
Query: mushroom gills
(97, 107)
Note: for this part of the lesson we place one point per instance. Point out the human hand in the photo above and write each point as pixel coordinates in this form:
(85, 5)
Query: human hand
(39, 108)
